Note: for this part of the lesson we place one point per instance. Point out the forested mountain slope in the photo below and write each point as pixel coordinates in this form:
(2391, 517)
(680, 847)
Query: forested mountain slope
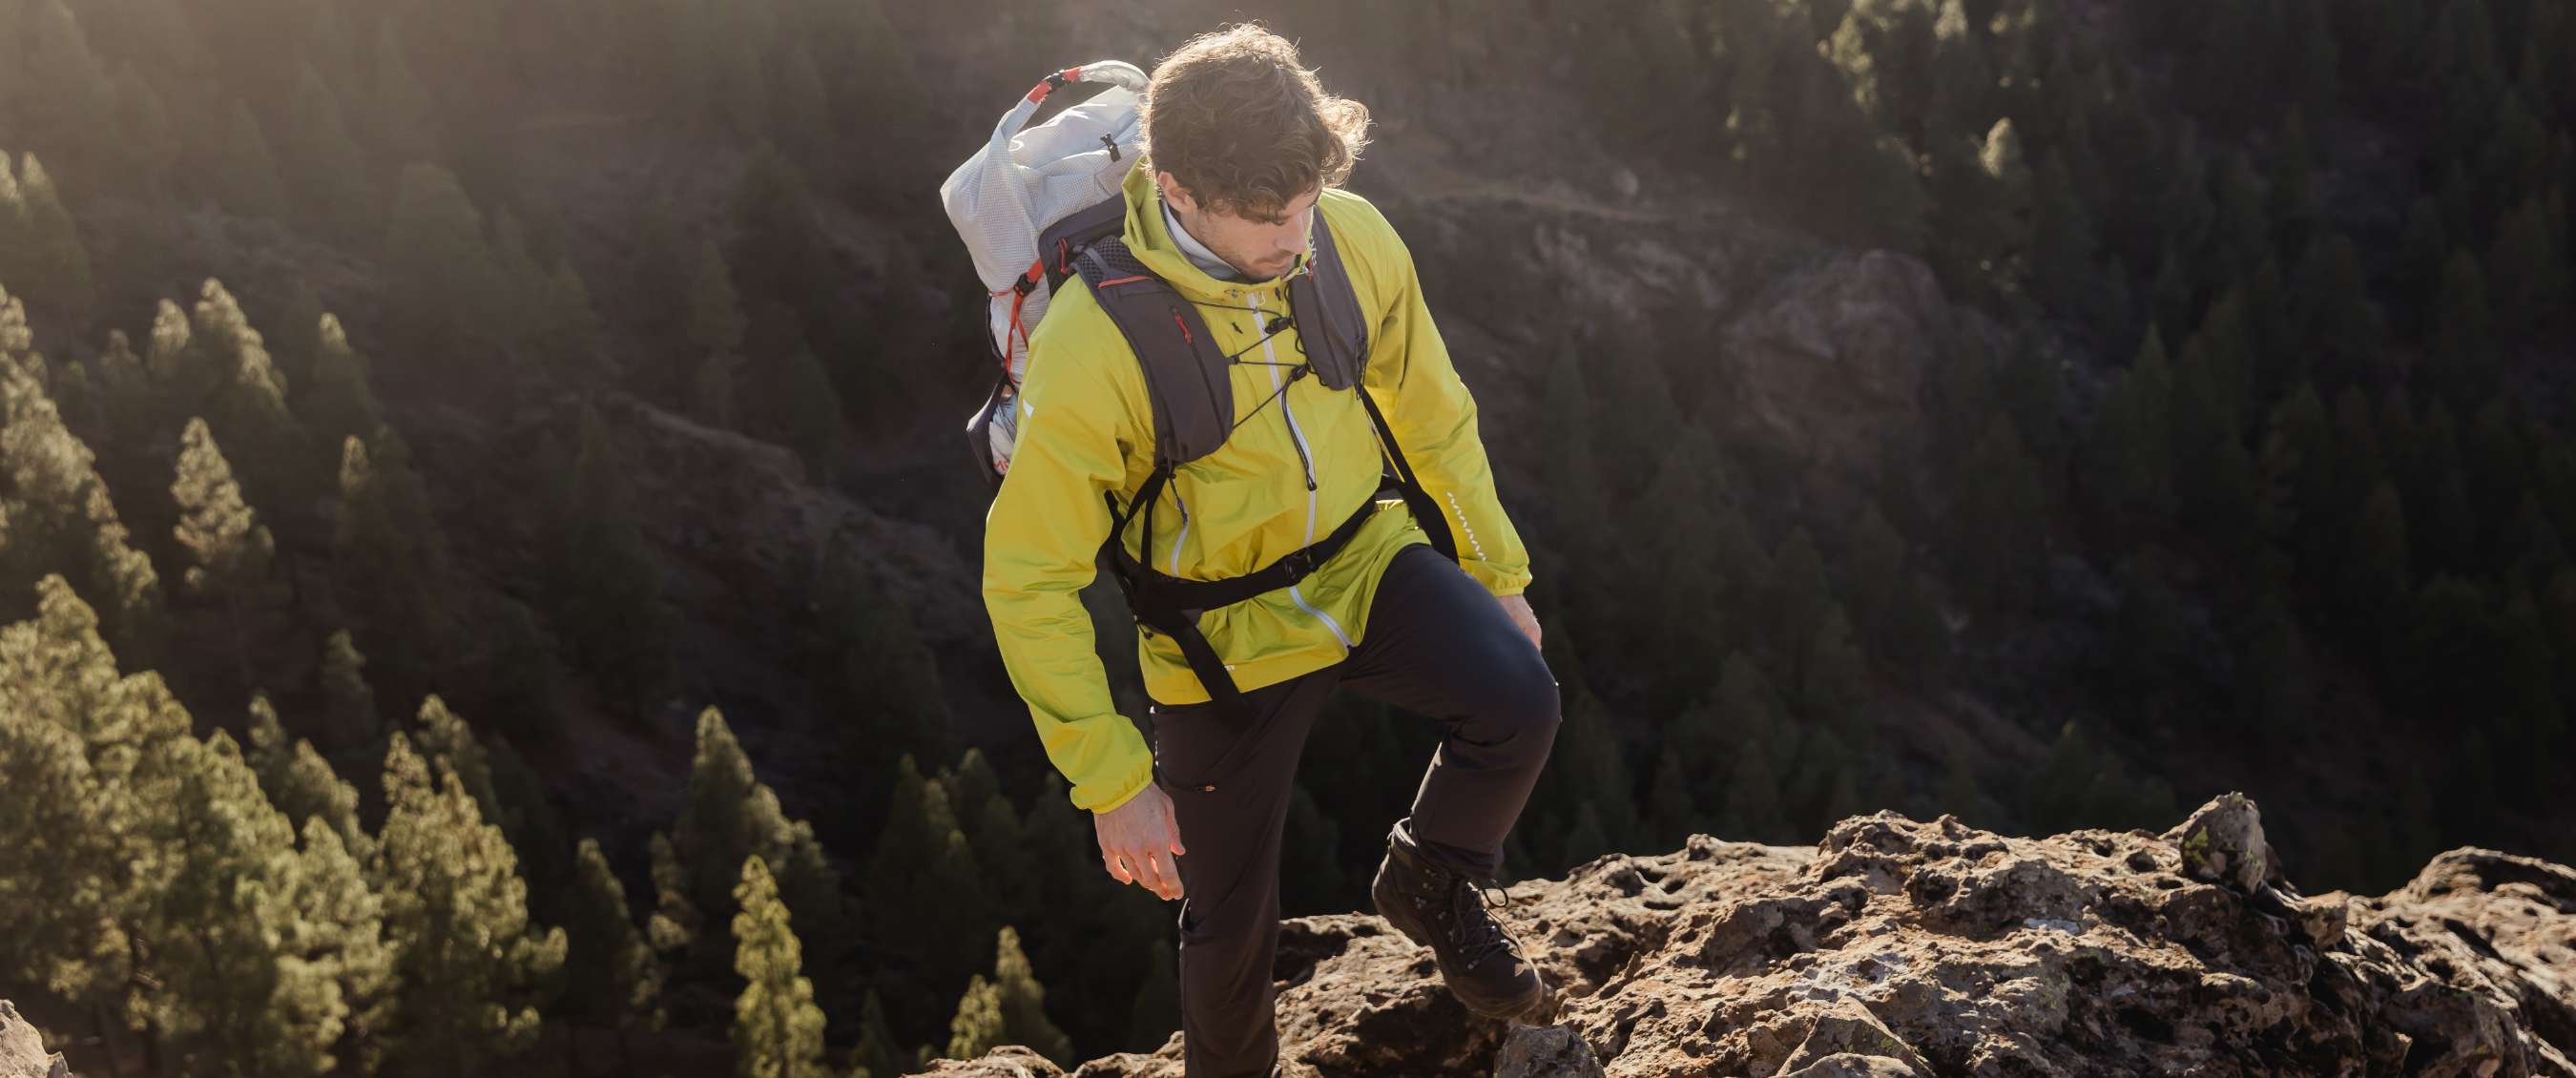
(2050, 412)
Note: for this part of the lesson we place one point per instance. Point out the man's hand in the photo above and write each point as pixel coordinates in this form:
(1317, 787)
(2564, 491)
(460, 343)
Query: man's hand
(1138, 840)
(1518, 607)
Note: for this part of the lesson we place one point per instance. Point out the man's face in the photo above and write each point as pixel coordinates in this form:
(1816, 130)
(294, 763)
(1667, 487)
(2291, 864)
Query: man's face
(1262, 249)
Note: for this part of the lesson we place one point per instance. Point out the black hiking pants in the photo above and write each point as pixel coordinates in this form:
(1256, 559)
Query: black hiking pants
(1436, 643)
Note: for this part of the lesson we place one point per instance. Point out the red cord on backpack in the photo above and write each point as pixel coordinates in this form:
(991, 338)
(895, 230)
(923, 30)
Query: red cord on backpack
(1020, 290)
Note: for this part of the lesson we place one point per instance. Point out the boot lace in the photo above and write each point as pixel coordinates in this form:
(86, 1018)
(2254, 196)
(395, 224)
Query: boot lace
(1472, 928)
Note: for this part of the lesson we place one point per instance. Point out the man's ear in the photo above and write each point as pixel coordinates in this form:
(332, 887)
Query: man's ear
(1176, 194)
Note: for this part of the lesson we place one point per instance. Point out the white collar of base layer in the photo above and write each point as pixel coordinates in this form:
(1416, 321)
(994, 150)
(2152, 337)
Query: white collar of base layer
(1197, 252)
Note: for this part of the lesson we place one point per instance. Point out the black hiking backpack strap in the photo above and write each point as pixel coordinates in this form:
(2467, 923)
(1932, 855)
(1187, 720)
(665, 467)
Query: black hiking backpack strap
(1334, 335)
(1189, 381)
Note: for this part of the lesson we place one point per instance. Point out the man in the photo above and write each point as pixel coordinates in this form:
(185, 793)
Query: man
(1242, 152)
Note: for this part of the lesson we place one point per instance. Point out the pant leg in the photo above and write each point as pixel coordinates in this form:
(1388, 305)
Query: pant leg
(1436, 642)
(1230, 790)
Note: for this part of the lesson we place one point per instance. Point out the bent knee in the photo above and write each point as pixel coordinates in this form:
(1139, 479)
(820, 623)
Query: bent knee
(1522, 697)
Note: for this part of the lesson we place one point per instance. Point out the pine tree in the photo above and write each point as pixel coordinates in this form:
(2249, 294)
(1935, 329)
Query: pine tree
(778, 254)
(2463, 347)
(16, 248)
(2527, 265)
(2002, 519)
(138, 739)
(569, 333)
(606, 586)
(2333, 318)
(469, 962)
(147, 145)
(1891, 604)
(711, 396)
(65, 85)
(884, 678)
(404, 123)
(388, 561)
(1588, 771)
(1310, 861)
(809, 409)
(338, 401)
(58, 266)
(979, 1026)
(1687, 630)
(226, 994)
(715, 322)
(349, 701)
(326, 172)
(1748, 723)
(2061, 240)
(248, 399)
(2243, 231)
(2377, 578)
(341, 932)
(876, 1053)
(2000, 156)
(673, 925)
(1024, 1001)
(300, 782)
(938, 900)
(443, 300)
(777, 1029)
(222, 535)
(59, 517)
(610, 971)
(2132, 438)
(58, 825)
(1158, 1003)
(244, 175)
(443, 738)
(732, 815)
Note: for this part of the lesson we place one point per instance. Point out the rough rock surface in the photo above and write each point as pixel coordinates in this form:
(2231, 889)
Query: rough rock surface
(1903, 947)
(22, 1052)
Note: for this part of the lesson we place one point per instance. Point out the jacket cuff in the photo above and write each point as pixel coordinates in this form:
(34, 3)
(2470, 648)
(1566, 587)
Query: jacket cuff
(1497, 581)
(1117, 793)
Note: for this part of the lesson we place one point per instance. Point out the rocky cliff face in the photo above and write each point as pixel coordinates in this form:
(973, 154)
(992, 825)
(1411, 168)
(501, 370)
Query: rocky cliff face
(1902, 947)
(22, 1052)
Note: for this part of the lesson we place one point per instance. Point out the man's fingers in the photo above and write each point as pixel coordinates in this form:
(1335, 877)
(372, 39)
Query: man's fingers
(1170, 874)
(1117, 871)
(1150, 873)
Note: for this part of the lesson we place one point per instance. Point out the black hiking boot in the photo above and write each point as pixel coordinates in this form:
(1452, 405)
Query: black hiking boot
(1445, 911)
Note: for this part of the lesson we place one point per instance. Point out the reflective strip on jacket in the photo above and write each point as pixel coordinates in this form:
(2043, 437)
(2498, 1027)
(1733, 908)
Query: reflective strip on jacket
(1086, 428)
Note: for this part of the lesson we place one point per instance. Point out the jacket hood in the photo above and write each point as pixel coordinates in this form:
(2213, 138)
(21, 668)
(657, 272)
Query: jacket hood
(1152, 244)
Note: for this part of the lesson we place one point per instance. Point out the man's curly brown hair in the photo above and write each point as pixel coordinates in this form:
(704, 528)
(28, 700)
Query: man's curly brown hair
(1243, 127)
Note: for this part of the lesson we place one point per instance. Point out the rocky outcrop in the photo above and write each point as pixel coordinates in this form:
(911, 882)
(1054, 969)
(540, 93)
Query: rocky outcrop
(22, 1052)
(1905, 947)
(1829, 364)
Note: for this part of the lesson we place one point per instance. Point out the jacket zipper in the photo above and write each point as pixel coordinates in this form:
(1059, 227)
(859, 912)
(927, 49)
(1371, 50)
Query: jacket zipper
(1306, 458)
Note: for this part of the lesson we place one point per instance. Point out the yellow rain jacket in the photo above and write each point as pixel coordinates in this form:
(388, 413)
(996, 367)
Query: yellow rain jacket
(1086, 428)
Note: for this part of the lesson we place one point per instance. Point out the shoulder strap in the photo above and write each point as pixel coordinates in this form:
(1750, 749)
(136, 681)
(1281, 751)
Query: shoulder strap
(1328, 316)
(1063, 240)
(1187, 377)
(1327, 309)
